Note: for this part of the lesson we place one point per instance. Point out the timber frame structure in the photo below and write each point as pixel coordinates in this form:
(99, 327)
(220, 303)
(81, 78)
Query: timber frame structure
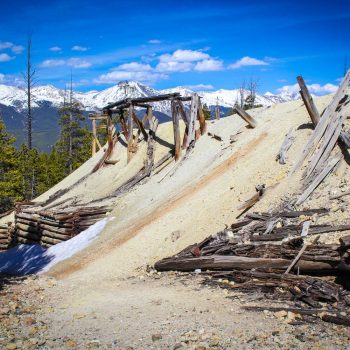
(123, 112)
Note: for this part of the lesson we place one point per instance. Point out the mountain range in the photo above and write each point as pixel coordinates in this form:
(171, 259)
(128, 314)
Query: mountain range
(48, 99)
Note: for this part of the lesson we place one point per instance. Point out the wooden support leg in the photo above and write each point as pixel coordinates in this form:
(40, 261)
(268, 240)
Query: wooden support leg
(244, 115)
(94, 136)
(308, 101)
(176, 126)
(124, 128)
(201, 118)
(130, 133)
(140, 126)
(192, 120)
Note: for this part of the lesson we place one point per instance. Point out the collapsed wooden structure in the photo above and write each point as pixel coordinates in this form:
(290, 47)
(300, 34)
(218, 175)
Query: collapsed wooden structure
(274, 253)
(125, 118)
(49, 227)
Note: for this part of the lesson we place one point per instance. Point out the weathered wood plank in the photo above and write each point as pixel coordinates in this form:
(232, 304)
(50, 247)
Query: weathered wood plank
(245, 116)
(287, 143)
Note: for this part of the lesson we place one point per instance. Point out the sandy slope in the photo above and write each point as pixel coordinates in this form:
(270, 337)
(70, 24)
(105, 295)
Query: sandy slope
(105, 285)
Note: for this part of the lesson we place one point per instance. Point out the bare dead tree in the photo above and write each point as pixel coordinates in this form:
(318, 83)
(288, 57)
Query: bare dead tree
(252, 88)
(70, 142)
(29, 79)
(241, 93)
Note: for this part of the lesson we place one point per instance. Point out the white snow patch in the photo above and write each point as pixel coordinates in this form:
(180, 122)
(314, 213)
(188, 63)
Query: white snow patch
(28, 259)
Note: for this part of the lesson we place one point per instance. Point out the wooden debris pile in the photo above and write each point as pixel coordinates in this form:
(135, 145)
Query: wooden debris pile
(4, 236)
(49, 227)
(327, 134)
(268, 253)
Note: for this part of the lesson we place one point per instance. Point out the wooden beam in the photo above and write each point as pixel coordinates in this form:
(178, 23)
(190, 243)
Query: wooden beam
(130, 133)
(94, 137)
(323, 123)
(244, 115)
(201, 118)
(192, 120)
(308, 101)
(140, 125)
(176, 126)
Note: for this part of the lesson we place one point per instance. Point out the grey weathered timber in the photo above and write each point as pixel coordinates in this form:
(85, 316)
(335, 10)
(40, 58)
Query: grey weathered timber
(192, 120)
(319, 178)
(308, 101)
(176, 127)
(287, 143)
(140, 126)
(244, 115)
(130, 133)
(327, 144)
(322, 125)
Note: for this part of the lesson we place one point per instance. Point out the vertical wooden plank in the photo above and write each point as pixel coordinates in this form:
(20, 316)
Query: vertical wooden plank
(201, 118)
(139, 125)
(110, 132)
(130, 133)
(94, 137)
(192, 120)
(217, 110)
(176, 126)
(308, 101)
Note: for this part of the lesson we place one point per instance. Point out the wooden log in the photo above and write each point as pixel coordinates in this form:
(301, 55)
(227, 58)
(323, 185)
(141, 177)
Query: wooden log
(176, 127)
(287, 143)
(337, 319)
(245, 116)
(27, 235)
(24, 240)
(296, 259)
(308, 101)
(222, 262)
(49, 240)
(93, 146)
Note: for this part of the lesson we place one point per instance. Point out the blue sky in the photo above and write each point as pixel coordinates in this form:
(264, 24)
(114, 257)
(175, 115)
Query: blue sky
(200, 44)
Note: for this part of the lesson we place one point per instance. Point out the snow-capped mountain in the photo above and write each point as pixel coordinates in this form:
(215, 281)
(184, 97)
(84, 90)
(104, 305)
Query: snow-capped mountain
(95, 100)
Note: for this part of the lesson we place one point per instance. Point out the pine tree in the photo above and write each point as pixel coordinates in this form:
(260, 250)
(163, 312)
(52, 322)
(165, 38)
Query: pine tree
(9, 173)
(206, 112)
(74, 144)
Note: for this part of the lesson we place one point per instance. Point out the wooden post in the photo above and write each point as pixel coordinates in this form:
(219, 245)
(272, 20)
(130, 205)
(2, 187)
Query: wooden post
(244, 115)
(130, 132)
(217, 110)
(192, 121)
(110, 132)
(139, 125)
(201, 118)
(308, 101)
(94, 136)
(176, 126)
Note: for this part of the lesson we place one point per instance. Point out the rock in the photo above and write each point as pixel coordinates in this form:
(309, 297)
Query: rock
(280, 314)
(175, 235)
(179, 346)
(4, 310)
(156, 337)
(71, 343)
(11, 346)
(214, 341)
(94, 344)
(29, 321)
(33, 331)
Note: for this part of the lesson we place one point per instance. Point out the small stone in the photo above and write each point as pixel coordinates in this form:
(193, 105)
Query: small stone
(156, 337)
(33, 331)
(179, 346)
(29, 321)
(4, 310)
(214, 341)
(71, 343)
(281, 313)
(11, 346)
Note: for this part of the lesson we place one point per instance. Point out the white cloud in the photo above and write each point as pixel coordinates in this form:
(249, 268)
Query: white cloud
(72, 62)
(209, 65)
(5, 45)
(14, 48)
(316, 89)
(135, 67)
(4, 57)
(184, 56)
(116, 76)
(2, 78)
(247, 61)
(79, 48)
(173, 66)
(154, 41)
(17, 49)
(78, 63)
(200, 87)
(53, 63)
(55, 49)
